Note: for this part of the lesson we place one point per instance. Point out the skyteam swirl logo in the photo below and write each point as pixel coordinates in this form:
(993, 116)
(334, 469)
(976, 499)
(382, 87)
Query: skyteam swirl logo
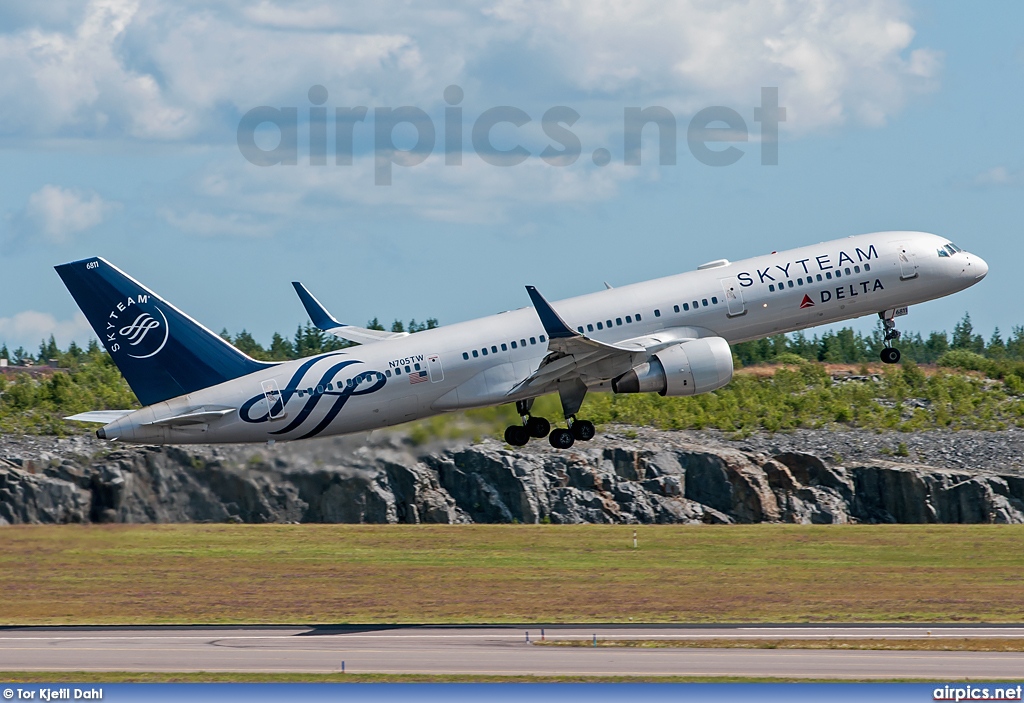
(319, 390)
(139, 333)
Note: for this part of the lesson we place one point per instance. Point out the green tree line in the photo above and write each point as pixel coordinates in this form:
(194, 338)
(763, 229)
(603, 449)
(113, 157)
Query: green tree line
(849, 347)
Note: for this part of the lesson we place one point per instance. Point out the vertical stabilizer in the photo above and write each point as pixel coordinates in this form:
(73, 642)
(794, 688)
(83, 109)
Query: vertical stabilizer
(162, 352)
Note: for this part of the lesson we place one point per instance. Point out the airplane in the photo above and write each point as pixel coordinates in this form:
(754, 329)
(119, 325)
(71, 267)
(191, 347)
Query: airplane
(669, 336)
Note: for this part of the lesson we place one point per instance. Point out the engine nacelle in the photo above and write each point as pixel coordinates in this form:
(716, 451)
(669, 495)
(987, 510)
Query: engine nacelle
(696, 366)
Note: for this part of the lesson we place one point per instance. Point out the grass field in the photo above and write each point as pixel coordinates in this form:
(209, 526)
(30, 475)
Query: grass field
(510, 573)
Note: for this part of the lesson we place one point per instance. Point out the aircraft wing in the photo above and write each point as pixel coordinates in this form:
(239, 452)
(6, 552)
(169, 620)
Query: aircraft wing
(574, 355)
(325, 321)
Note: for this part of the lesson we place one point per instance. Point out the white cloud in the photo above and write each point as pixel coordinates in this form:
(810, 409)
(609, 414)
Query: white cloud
(153, 69)
(28, 328)
(832, 61)
(997, 176)
(265, 200)
(55, 214)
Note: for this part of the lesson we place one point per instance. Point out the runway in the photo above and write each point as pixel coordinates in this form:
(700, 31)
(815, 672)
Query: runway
(494, 650)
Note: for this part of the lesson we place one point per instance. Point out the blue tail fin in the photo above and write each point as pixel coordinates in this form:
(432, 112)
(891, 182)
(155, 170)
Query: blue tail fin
(162, 352)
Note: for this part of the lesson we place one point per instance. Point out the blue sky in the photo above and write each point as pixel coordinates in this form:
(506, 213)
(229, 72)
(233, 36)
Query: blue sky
(119, 127)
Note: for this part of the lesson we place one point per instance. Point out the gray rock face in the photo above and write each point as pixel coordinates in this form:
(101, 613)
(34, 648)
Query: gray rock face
(662, 478)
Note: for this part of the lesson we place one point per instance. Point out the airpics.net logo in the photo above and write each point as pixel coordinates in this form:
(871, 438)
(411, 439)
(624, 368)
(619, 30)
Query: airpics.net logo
(959, 692)
(139, 333)
(270, 136)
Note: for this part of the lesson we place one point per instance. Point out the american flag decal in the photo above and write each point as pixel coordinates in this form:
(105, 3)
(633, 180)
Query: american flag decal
(417, 377)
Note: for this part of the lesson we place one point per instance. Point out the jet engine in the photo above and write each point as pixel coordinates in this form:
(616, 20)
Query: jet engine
(696, 366)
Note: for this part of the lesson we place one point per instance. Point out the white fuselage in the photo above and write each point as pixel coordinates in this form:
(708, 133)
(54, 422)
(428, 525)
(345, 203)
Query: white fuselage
(444, 369)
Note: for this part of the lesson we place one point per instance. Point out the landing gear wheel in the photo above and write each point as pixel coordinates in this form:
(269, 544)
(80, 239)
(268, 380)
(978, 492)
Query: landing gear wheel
(561, 438)
(538, 427)
(890, 355)
(583, 430)
(517, 435)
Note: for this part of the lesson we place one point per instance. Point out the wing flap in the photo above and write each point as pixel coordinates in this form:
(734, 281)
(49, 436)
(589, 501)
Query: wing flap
(574, 355)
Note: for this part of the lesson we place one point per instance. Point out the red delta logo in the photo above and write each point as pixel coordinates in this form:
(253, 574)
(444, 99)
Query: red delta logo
(806, 302)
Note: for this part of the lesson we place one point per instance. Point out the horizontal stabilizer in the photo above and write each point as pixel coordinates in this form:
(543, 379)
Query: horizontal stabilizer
(325, 321)
(102, 416)
(194, 416)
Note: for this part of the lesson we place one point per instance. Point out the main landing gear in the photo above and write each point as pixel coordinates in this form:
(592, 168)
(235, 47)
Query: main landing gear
(571, 394)
(535, 427)
(889, 354)
(582, 430)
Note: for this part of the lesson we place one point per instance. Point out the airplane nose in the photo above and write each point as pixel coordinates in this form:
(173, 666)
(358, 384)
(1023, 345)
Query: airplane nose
(978, 267)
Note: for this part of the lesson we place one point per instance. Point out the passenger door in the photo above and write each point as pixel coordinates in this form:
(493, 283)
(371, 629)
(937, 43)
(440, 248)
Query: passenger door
(434, 368)
(733, 296)
(908, 262)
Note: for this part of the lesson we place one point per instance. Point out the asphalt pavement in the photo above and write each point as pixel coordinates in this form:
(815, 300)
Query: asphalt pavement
(496, 650)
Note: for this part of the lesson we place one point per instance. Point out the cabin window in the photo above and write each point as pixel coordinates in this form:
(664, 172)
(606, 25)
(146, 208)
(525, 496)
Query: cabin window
(543, 338)
(799, 281)
(417, 367)
(705, 301)
(638, 317)
(475, 354)
(675, 308)
(714, 299)
(867, 267)
(533, 340)
(504, 347)
(828, 275)
(579, 329)
(522, 342)
(686, 306)
(657, 313)
(590, 328)
(494, 349)
(465, 355)
(608, 324)
(810, 279)
(514, 345)
(629, 319)
(819, 276)
(771, 287)
(407, 369)
(856, 269)
(618, 321)
(600, 326)
(846, 271)
(484, 351)
(789, 283)
(839, 274)
(398, 371)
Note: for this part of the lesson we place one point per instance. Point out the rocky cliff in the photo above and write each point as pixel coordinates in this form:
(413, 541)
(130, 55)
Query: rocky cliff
(659, 477)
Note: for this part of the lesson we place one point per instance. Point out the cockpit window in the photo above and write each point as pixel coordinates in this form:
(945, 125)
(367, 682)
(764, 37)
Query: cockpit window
(943, 253)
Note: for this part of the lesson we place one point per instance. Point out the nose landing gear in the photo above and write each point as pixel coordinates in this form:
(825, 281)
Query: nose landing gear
(889, 354)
